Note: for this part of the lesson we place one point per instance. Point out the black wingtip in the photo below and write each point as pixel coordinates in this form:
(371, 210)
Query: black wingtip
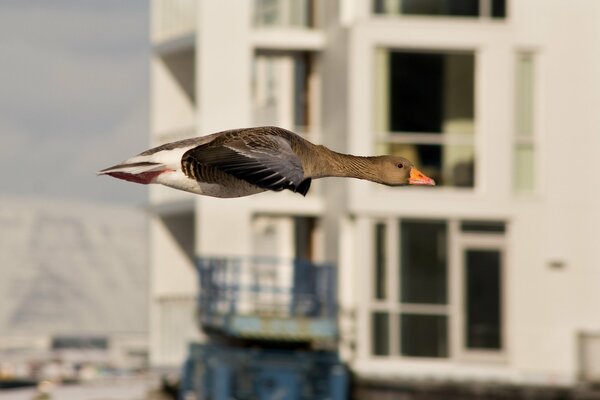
(303, 187)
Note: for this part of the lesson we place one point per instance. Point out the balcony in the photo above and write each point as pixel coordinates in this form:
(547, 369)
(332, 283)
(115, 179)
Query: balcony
(267, 299)
(173, 20)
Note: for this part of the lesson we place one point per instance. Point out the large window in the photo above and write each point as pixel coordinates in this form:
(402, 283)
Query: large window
(413, 308)
(284, 90)
(425, 111)
(524, 139)
(448, 8)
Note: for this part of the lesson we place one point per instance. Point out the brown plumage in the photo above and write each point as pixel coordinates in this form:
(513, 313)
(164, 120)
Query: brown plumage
(241, 162)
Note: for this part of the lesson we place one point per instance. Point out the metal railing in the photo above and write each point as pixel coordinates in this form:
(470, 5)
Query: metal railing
(265, 288)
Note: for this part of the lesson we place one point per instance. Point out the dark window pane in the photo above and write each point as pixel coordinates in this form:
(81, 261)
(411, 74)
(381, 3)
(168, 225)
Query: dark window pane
(380, 334)
(423, 271)
(498, 8)
(304, 230)
(483, 226)
(416, 92)
(380, 261)
(424, 335)
(483, 299)
(82, 343)
(463, 8)
(431, 92)
(301, 90)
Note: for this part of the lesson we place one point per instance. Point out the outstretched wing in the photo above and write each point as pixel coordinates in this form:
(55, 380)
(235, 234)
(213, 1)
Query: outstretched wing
(265, 161)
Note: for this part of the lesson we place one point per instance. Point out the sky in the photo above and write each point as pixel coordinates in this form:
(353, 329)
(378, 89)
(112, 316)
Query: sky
(73, 97)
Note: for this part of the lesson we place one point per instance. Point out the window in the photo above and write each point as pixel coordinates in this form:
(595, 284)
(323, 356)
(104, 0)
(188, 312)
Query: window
(524, 139)
(284, 13)
(282, 90)
(413, 273)
(380, 261)
(79, 343)
(414, 322)
(448, 8)
(483, 306)
(425, 111)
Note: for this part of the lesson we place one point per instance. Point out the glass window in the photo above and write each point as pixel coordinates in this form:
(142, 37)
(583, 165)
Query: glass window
(524, 148)
(483, 226)
(412, 316)
(380, 334)
(423, 264)
(483, 299)
(380, 261)
(449, 8)
(425, 111)
(284, 13)
(424, 335)
(282, 89)
(304, 238)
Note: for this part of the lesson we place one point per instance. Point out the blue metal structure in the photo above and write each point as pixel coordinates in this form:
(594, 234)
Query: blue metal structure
(223, 372)
(268, 299)
(268, 303)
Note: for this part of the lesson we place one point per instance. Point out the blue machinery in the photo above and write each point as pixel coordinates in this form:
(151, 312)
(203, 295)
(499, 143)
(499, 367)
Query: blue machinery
(263, 316)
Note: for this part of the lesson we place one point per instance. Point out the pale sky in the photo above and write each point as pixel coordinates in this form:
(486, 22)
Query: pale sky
(73, 96)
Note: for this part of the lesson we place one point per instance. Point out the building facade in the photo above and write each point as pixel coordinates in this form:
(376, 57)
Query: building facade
(492, 275)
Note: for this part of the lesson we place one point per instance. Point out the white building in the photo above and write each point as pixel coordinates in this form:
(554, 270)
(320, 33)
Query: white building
(490, 276)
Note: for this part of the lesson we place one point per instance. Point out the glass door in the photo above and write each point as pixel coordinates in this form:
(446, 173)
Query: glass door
(482, 330)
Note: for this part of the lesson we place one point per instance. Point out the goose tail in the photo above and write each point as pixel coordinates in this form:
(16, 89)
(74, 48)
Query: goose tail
(134, 170)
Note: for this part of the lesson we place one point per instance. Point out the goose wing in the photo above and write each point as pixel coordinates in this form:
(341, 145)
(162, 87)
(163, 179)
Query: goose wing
(266, 161)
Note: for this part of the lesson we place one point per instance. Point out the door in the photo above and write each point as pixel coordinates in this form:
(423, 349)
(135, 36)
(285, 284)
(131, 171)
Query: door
(482, 330)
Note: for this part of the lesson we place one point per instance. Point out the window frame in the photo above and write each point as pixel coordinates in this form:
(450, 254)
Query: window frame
(485, 13)
(479, 241)
(383, 138)
(457, 243)
(283, 65)
(534, 138)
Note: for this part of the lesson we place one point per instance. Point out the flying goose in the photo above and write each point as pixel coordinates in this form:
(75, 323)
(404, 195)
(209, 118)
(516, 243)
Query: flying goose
(242, 162)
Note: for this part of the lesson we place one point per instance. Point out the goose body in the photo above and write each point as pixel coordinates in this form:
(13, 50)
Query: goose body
(242, 162)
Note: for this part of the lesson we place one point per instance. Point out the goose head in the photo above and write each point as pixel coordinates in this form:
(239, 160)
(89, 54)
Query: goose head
(398, 171)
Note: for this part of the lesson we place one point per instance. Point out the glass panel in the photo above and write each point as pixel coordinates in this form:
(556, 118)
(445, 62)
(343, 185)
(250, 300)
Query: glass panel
(524, 95)
(524, 179)
(380, 334)
(483, 226)
(483, 324)
(448, 165)
(498, 8)
(426, 92)
(304, 230)
(424, 335)
(301, 90)
(465, 8)
(265, 89)
(423, 269)
(266, 13)
(296, 13)
(380, 261)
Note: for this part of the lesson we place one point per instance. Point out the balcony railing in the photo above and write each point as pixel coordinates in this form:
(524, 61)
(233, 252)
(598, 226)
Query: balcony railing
(267, 298)
(173, 19)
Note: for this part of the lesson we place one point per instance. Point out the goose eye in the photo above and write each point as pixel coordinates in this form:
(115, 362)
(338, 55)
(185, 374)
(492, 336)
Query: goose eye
(400, 165)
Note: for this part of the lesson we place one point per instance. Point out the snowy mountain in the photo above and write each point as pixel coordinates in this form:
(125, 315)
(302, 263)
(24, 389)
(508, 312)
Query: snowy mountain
(71, 268)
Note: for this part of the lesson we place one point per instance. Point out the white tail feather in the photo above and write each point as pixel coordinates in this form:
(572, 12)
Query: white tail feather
(133, 168)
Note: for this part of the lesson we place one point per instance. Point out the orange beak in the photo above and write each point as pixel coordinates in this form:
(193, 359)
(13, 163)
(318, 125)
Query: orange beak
(419, 178)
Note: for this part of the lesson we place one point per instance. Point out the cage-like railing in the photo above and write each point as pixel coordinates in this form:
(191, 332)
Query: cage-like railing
(266, 297)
